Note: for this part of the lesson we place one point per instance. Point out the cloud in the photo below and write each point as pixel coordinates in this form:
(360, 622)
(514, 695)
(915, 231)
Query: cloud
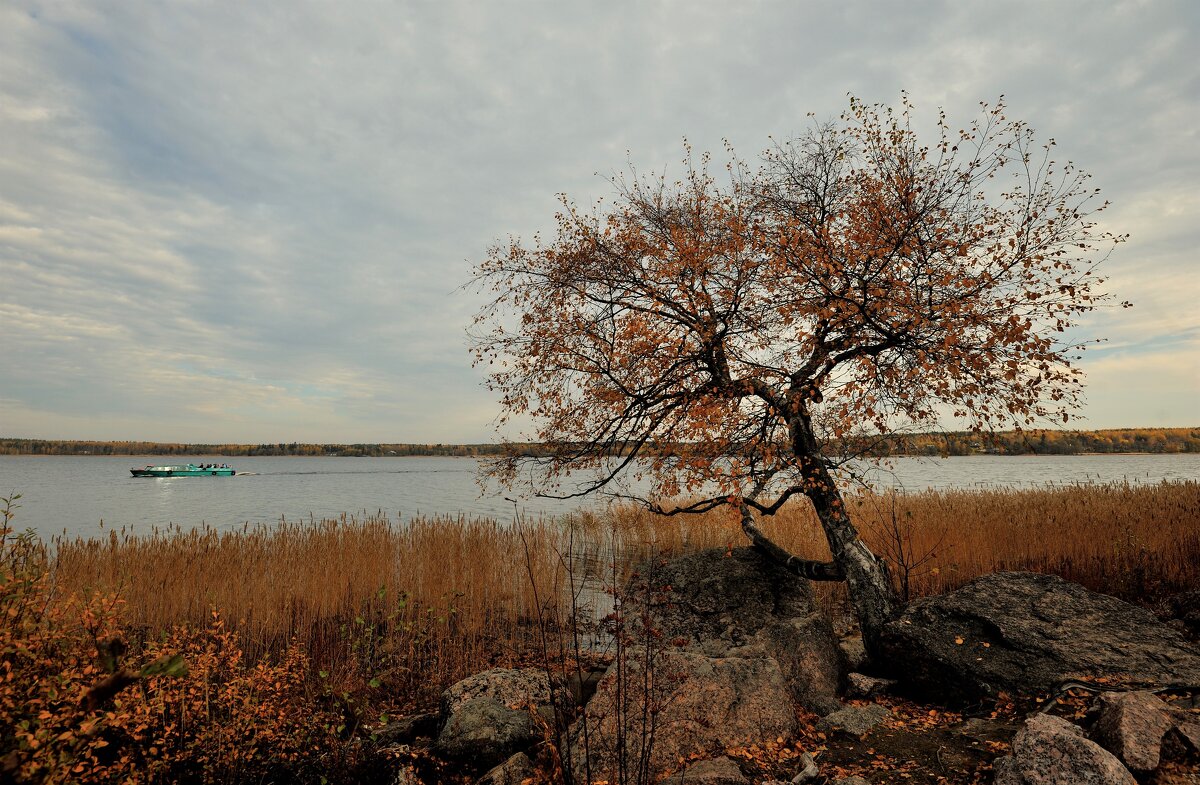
(1147, 388)
(248, 222)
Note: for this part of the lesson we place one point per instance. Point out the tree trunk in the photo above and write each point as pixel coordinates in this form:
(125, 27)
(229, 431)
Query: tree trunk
(870, 588)
(867, 580)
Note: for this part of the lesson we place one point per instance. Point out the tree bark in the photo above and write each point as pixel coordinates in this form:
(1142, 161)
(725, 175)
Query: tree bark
(805, 568)
(867, 581)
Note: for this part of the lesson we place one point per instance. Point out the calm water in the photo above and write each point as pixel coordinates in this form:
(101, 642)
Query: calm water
(73, 494)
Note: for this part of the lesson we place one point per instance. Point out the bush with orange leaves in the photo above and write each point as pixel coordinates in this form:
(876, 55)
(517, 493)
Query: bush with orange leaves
(46, 732)
(194, 711)
(230, 720)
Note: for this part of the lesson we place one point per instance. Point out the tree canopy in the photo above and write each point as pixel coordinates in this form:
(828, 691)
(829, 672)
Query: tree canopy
(769, 323)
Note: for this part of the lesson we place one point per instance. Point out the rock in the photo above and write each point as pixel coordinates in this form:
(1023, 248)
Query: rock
(483, 732)
(513, 771)
(1146, 732)
(1176, 775)
(1025, 632)
(487, 717)
(699, 707)
(807, 656)
(1187, 732)
(715, 771)
(1177, 753)
(1006, 772)
(406, 729)
(855, 720)
(808, 770)
(854, 653)
(1185, 608)
(849, 781)
(740, 604)
(515, 688)
(859, 685)
(582, 684)
(1131, 726)
(1183, 701)
(1052, 751)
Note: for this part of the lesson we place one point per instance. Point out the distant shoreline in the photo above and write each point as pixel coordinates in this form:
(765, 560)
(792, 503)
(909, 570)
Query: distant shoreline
(1117, 441)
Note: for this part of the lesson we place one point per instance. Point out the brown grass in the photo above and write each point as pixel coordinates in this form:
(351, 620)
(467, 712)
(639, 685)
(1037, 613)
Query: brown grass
(1139, 542)
(416, 605)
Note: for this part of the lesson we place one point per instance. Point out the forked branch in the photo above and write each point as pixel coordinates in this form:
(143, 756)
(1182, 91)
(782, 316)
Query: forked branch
(805, 568)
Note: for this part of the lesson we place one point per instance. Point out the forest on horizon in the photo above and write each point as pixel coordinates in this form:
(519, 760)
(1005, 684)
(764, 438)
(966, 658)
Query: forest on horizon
(1039, 442)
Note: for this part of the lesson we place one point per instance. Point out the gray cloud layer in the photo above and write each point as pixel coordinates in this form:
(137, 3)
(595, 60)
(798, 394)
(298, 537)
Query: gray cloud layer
(249, 222)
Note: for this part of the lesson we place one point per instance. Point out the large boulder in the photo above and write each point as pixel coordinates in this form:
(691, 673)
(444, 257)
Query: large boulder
(484, 732)
(1051, 751)
(1025, 632)
(672, 706)
(738, 603)
(488, 717)
(513, 687)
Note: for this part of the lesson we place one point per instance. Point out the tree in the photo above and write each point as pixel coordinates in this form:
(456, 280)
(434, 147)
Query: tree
(737, 343)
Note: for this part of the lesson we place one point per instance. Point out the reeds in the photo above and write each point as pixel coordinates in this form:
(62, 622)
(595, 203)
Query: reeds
(1140, 542)
(414, 605)
(419, 602)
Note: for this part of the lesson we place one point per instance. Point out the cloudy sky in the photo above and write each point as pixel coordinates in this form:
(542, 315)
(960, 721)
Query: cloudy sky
(231, 221)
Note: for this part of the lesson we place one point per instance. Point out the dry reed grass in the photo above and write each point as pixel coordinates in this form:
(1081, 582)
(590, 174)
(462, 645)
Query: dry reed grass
(418, 604)
(1135, 541)
(413, 603)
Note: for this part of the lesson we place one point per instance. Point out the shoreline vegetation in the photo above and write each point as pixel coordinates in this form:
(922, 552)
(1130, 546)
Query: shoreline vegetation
(1032, 442)
(301, 639)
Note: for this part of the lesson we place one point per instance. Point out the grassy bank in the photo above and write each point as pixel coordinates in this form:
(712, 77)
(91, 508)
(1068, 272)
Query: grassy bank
(297, 636)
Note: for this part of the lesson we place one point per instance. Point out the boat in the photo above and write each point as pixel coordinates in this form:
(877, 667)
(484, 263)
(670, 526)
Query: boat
(186, 470)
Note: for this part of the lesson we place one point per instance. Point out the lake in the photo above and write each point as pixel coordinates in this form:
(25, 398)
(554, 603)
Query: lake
(72, 494)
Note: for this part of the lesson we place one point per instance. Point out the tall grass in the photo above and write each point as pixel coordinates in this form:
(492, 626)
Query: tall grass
(1139, 542)
(415, 605)
(295, 636)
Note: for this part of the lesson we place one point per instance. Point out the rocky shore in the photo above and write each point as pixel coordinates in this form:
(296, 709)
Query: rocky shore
(725, 673)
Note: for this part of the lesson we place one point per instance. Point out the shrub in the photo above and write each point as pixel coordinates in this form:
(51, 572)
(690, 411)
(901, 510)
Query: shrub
(198, 710)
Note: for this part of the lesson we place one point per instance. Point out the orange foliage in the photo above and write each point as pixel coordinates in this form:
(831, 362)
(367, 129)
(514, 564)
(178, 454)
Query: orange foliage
(220, 720)
(855, 282)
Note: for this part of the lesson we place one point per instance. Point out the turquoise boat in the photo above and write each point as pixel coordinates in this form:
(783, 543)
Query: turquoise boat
(187, 470)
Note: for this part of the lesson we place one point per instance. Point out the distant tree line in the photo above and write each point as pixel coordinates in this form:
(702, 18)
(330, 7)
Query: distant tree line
(1047, 442)
(56, 447)
(1043, 442)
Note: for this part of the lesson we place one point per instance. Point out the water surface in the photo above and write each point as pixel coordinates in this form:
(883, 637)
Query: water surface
(72, 494)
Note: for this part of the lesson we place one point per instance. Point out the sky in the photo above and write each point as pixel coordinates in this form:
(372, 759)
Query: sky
(252, 222)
